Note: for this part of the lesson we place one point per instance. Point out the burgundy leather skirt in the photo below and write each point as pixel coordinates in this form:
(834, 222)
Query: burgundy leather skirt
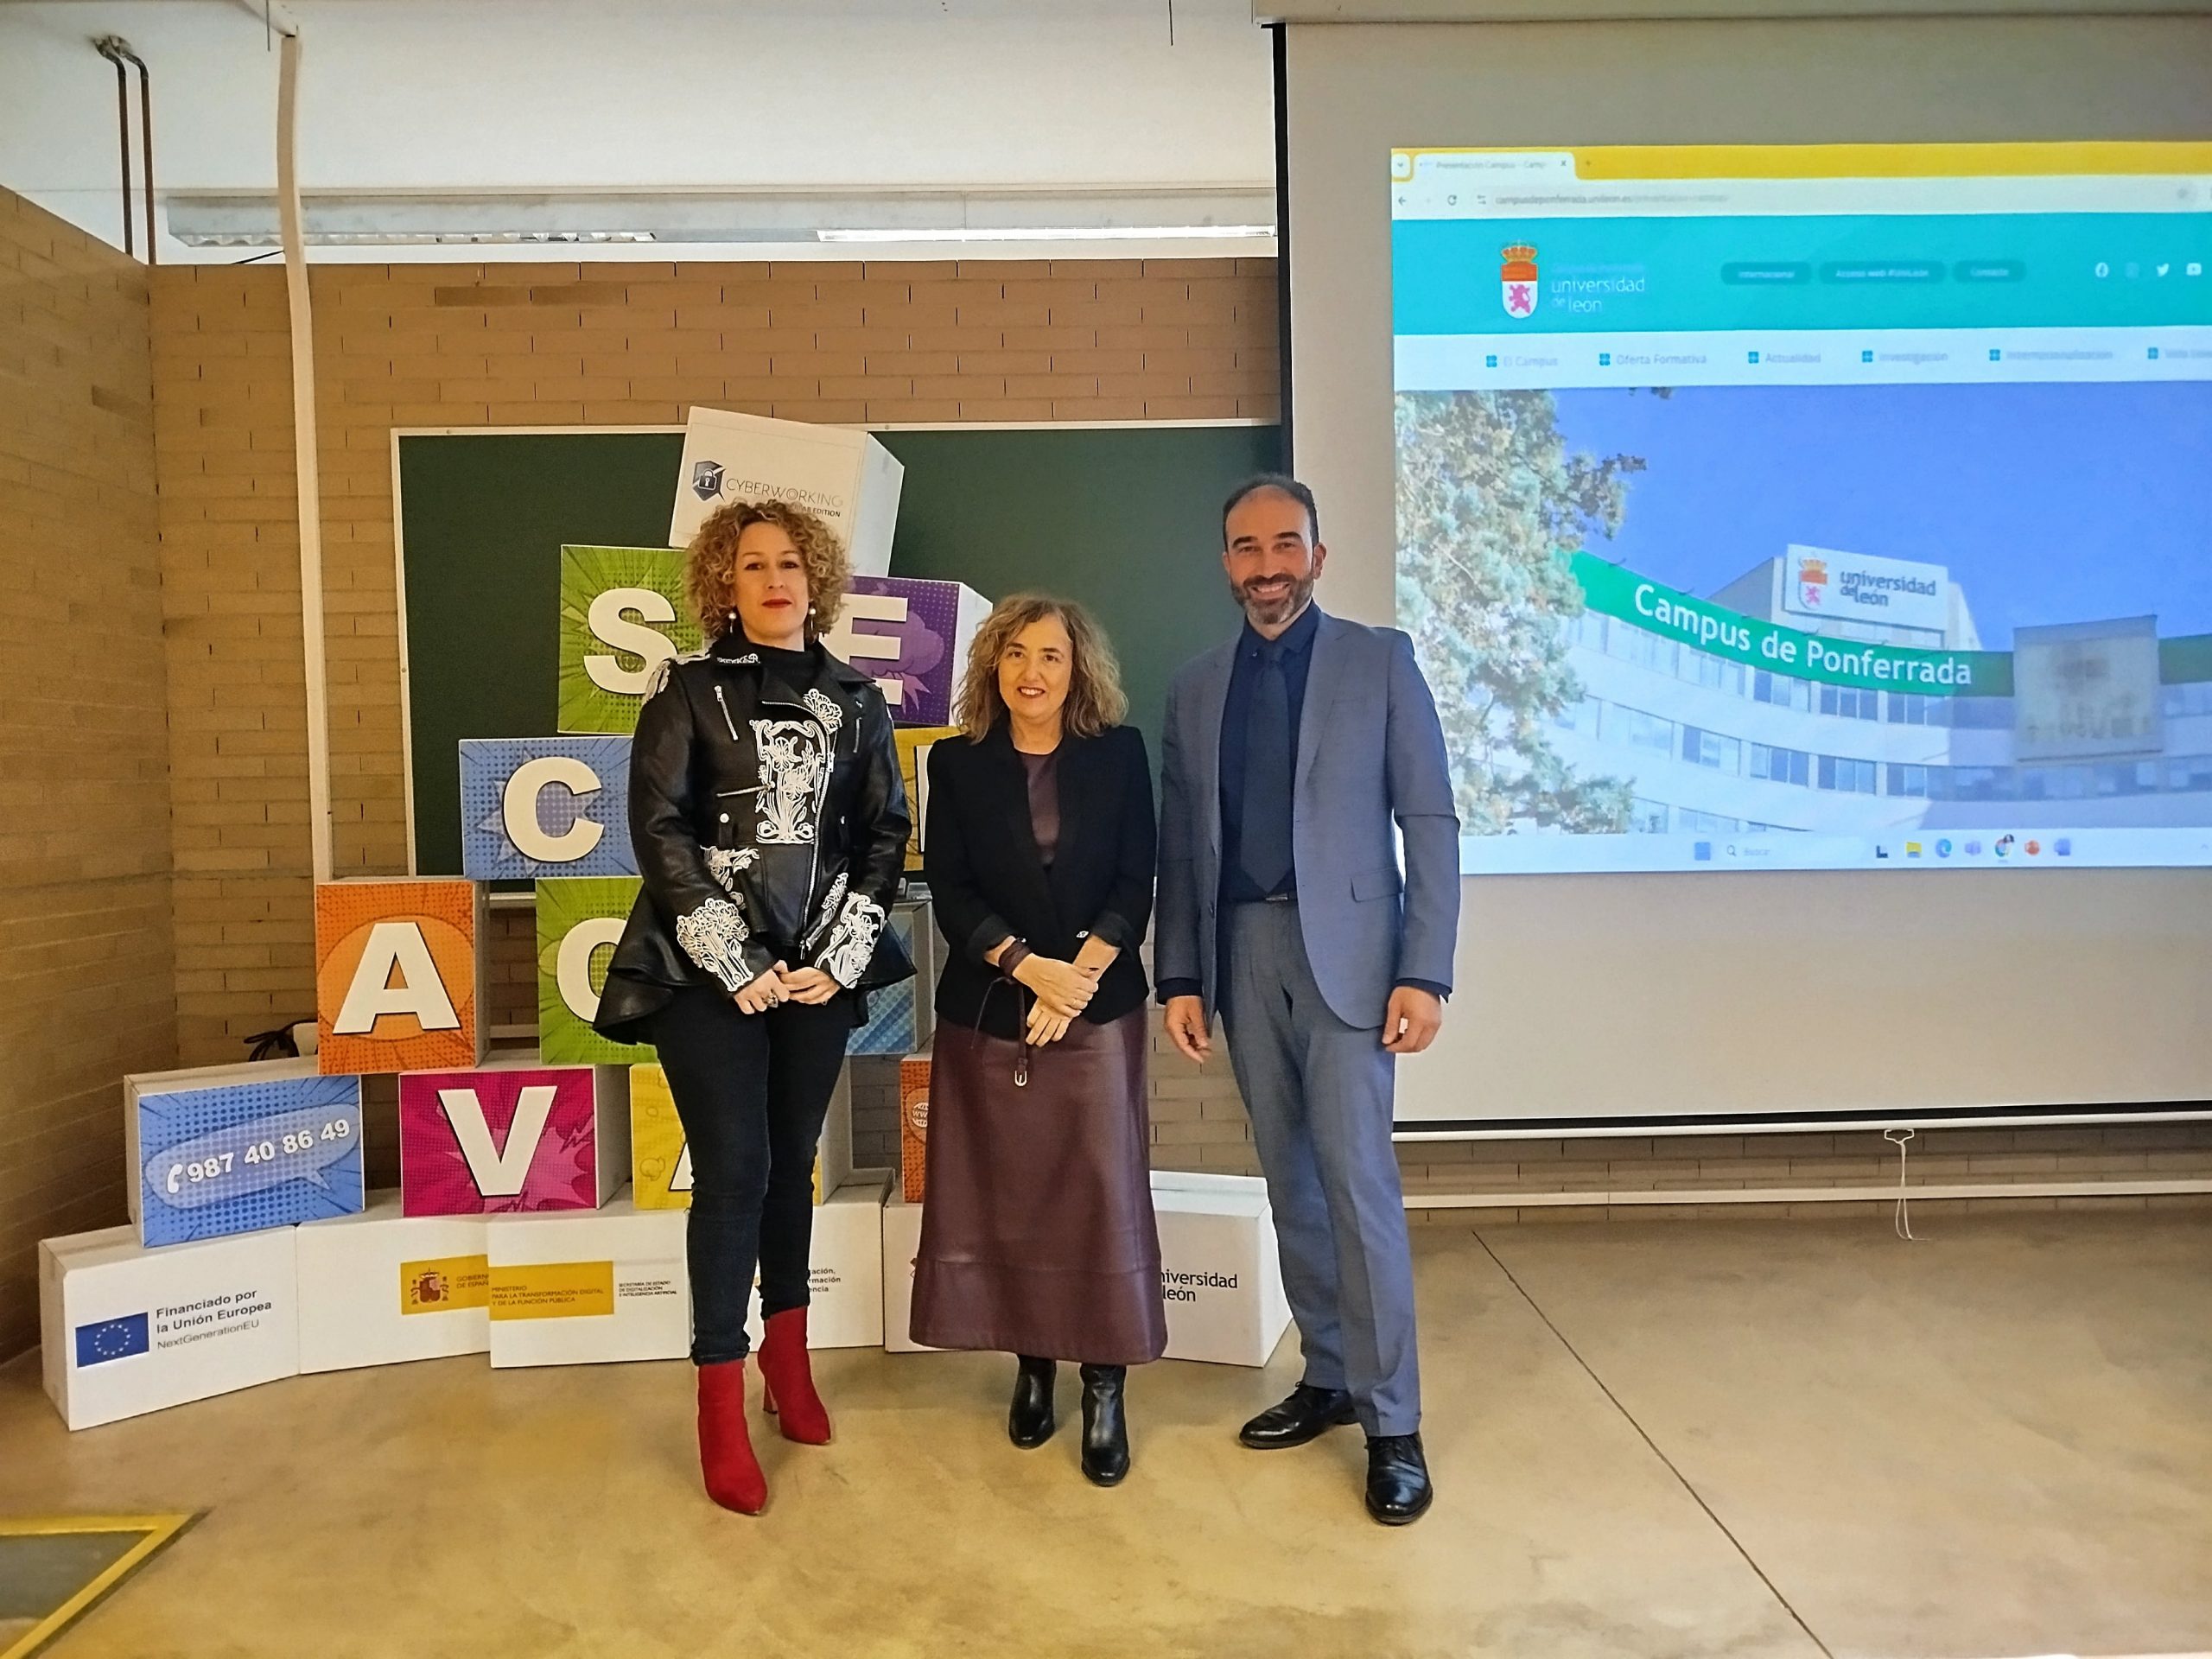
(1038, 1235)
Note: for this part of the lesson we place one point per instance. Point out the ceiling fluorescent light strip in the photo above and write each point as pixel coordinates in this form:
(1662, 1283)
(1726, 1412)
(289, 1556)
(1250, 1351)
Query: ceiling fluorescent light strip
(1053, 233)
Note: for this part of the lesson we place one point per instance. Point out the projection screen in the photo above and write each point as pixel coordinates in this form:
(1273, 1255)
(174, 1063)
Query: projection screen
(1724, 871)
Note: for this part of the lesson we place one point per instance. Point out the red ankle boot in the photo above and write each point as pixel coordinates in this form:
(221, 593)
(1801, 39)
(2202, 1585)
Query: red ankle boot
(732, 1472)
(788, 1380)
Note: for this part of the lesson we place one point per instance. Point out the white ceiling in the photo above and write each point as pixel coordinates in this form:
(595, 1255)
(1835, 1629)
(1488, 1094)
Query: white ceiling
(828, 99)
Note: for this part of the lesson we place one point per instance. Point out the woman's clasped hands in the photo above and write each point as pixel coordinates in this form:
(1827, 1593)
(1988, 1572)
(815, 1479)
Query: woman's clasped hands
(1064, 989)
(783, 983)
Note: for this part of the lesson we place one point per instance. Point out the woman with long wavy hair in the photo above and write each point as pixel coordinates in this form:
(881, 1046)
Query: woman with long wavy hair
(1037, 1237)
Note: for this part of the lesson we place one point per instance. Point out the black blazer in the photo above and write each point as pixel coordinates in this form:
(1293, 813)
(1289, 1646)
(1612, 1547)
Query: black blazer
(988, 883)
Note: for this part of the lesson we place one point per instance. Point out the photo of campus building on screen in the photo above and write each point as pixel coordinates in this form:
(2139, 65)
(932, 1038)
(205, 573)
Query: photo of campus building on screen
(1930, 624)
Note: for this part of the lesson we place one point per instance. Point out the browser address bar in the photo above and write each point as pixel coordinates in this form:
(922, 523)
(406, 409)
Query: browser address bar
(1595, 199)
(1444, 194)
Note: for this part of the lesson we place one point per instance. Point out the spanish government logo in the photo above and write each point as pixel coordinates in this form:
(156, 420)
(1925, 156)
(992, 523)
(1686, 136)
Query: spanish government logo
(1812, 583)
(1517, 280)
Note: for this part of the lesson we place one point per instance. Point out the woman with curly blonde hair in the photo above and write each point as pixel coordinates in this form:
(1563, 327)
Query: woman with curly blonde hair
(770, 827)
(1038, 1238)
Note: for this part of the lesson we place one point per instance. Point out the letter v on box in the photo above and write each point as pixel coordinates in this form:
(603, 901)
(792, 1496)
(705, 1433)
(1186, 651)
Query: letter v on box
(512, 1136)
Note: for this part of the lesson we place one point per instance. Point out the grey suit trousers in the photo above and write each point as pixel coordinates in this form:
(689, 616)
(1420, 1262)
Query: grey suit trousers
(1317, 1091)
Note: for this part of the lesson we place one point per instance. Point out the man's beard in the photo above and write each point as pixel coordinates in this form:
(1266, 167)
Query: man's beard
(1269, 612)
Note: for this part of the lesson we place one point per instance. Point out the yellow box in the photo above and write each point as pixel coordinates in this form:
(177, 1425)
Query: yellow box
(660, 1164)
(913, 768)
(660, 1158)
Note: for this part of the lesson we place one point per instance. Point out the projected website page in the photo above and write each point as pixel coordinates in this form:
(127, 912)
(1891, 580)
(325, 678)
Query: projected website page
(1809, 509)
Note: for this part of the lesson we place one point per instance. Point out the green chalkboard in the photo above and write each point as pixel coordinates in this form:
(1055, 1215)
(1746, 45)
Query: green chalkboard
(1125, 519)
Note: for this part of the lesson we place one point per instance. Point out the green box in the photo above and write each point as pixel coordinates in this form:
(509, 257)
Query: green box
(622, 611)
(598, 903)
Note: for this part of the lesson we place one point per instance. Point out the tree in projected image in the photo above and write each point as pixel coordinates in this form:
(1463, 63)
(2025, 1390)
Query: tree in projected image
(1490, 507)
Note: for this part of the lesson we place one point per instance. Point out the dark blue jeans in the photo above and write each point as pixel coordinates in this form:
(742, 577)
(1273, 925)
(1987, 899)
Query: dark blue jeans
(751, 1091)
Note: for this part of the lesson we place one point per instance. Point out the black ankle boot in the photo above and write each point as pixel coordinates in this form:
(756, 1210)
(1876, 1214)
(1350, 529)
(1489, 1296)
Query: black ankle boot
(1031, 1423)
(1105, 1425)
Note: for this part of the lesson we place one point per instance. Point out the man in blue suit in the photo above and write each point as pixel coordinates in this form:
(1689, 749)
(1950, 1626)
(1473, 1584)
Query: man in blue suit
(1291, 753)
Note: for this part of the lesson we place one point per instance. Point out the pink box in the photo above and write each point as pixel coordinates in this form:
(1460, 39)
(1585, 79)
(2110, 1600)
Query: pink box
(459, 1154)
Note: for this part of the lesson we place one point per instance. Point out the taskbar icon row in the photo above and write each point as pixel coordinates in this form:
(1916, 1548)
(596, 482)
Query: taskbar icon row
(2006, 846)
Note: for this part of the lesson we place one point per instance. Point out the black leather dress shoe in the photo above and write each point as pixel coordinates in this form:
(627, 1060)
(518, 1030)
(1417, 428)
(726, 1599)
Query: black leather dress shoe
(1398, 1489)
(1306, 1415)
(1105, 1425)
(1030, 1421)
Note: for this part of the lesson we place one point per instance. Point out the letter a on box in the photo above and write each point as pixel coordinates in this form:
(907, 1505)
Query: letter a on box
(398, 972)
(504, 1139)
(660, 1160)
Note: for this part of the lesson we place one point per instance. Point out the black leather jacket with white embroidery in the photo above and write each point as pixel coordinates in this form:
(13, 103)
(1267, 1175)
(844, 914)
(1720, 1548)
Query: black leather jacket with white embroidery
(770, 824)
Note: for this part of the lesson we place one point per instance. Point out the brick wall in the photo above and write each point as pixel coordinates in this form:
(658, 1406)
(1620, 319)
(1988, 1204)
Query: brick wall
(625, 344)
(87, 974)
(545, 345)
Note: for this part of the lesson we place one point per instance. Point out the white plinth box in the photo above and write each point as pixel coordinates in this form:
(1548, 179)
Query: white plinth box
(383, 1287)
(845, 1282)
(902, 1241)
(1219, 1276)
(588, 1286)
(126, 1330)
(1218, 1270)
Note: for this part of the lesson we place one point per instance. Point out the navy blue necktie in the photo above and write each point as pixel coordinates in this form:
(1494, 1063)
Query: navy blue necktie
(1264, 840)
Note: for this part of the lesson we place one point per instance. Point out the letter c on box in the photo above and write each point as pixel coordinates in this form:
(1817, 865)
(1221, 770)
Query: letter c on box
(572, 966)
(519, 808)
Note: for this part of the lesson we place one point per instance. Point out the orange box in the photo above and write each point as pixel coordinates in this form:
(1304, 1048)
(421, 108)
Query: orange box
(399, 975)
(913, 1125)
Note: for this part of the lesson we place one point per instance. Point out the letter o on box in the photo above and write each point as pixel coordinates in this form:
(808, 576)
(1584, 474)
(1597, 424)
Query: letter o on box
(399, 974)
(544, 806)
(579, 921)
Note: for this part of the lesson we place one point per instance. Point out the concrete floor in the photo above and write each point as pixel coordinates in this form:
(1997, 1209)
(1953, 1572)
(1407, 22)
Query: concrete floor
(1739, 1439)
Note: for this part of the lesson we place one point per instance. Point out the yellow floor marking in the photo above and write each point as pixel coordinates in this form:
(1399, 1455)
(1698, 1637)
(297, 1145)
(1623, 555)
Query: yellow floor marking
(159, 1530)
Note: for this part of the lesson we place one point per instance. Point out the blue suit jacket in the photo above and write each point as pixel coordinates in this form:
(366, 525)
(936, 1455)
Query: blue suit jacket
(1370, 755)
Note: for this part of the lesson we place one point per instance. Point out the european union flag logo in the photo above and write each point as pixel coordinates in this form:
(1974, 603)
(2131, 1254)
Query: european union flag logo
(113, 1339)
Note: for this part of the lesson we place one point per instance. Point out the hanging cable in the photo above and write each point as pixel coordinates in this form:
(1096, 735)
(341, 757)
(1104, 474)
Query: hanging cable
(146, 142)
(306, 455)
(112, 48)
(1902, 1221)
